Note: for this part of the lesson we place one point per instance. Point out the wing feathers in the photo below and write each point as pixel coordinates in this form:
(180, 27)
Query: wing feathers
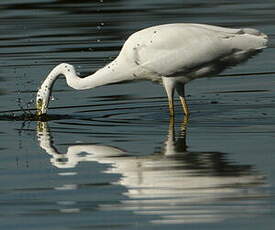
(173, 48)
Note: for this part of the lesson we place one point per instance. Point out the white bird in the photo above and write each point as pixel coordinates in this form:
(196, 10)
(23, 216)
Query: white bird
(172, 54)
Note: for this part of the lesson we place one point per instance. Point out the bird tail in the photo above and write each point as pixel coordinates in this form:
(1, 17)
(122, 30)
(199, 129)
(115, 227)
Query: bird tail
(247, 43)
(250, 39)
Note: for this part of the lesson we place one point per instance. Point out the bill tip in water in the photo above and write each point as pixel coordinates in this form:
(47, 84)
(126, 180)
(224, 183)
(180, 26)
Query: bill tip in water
(39, 107)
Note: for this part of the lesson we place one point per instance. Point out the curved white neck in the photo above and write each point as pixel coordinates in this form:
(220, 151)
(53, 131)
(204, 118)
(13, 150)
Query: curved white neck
(109, 74)
(117, 71)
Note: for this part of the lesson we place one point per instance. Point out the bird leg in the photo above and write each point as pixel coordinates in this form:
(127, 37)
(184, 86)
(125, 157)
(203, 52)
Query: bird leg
(184, 106)
(171, 107)
(169, 86)
(181, 92)
(183, 125)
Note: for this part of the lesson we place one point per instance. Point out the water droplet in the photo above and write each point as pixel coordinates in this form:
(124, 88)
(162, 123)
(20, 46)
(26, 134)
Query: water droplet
(29, 104)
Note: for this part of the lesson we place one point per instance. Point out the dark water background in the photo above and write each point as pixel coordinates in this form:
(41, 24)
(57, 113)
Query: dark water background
(110, 158)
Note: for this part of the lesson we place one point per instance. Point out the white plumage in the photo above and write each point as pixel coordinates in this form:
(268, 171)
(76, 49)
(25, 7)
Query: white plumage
(172, 54)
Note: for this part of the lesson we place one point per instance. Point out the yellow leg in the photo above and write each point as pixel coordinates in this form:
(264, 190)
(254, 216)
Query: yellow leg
(184, 106)
(171, 107)
(184, 123)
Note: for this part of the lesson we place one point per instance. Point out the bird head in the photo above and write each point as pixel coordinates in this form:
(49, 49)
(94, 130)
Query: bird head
(42, 100)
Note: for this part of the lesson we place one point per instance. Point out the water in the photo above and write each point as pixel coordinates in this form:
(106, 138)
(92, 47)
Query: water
(109, 158)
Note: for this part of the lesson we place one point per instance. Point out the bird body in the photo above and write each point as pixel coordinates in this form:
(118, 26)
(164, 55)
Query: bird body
(173, 54)
(184, 50)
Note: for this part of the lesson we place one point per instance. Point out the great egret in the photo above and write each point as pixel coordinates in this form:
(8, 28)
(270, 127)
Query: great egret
(173, 54)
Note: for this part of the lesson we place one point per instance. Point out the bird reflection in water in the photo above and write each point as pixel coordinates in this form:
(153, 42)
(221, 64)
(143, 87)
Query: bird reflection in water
(174, 185)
